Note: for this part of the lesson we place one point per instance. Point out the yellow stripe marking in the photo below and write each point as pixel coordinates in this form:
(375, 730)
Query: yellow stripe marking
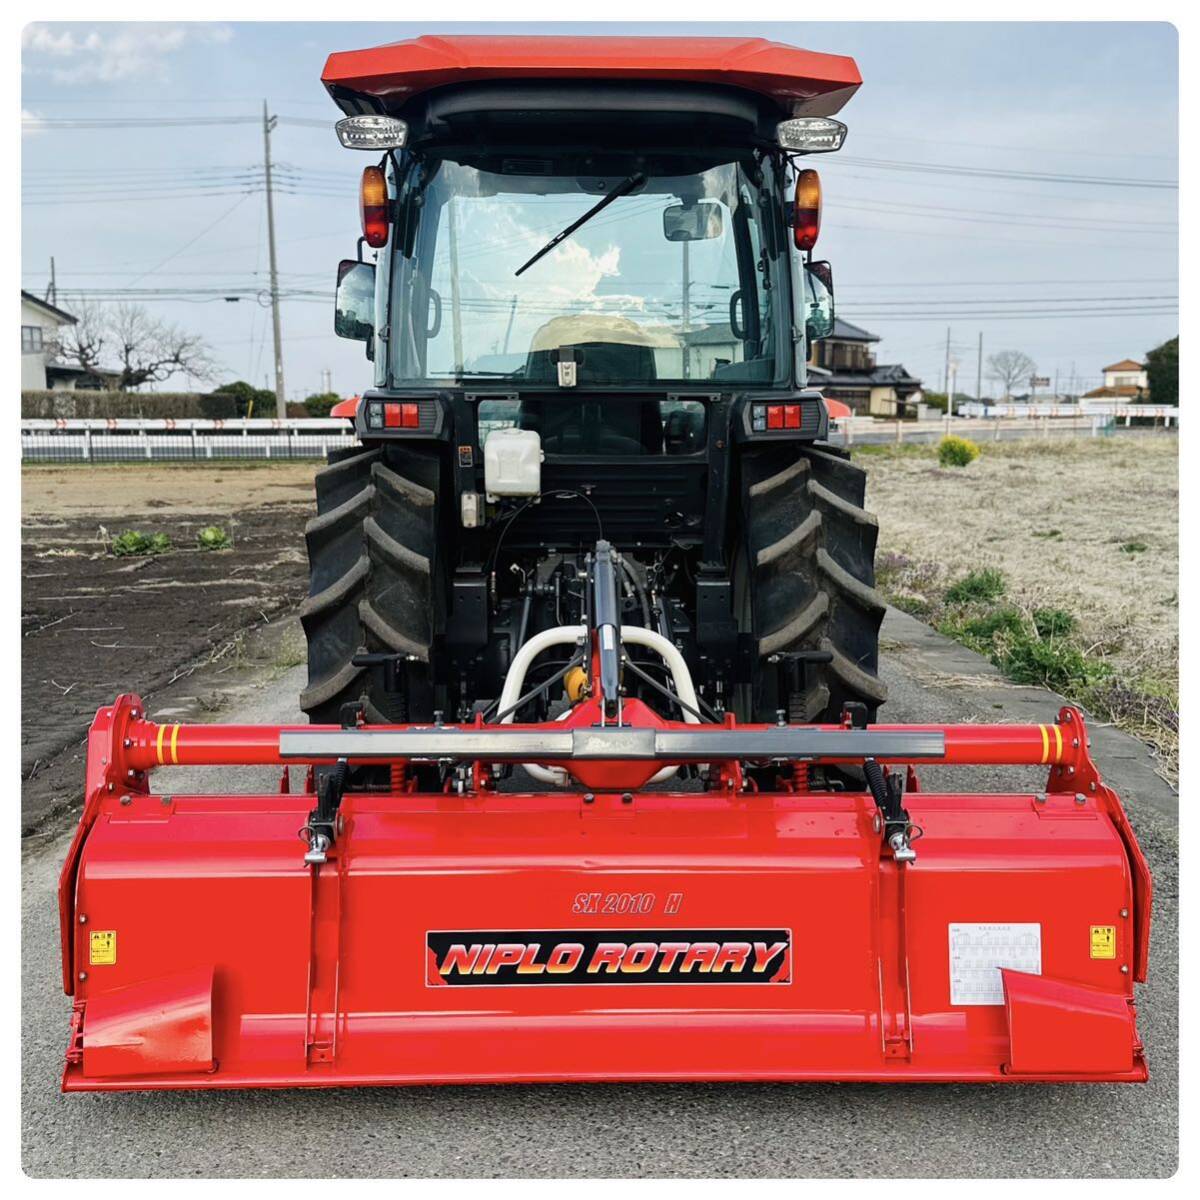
(174, 739)
(1045, 743)
(161, 730)
(1057, 744)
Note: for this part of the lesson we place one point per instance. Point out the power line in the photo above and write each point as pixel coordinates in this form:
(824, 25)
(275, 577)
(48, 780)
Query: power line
(1025, 149)
(1048, 221)
(191, 242)
(890, 164)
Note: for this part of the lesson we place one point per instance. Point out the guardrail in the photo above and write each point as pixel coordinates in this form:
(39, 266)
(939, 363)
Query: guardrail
(182, 440)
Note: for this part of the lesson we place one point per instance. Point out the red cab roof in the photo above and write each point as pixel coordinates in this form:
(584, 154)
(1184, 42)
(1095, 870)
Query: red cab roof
(800, 80)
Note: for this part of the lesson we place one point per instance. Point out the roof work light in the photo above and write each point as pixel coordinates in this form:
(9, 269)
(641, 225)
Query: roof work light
(811, 135)
(372, 132)
(373, 198)
(806, 212)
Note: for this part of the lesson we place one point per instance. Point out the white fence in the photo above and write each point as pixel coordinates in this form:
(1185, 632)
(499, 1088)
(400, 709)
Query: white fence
(182, 440)
(1168, 414)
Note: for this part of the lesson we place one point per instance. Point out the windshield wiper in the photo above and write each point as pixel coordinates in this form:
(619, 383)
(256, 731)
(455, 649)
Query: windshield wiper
(622, 189)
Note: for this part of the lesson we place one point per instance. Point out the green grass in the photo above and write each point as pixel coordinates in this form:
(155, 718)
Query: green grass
(892, 450)
(1053, 622)
(976, 586)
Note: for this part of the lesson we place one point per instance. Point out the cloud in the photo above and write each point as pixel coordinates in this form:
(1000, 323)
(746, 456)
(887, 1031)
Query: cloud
(111, 53)
(31, 123)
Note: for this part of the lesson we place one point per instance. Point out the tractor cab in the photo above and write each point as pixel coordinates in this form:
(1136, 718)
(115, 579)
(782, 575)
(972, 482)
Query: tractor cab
(554, 226)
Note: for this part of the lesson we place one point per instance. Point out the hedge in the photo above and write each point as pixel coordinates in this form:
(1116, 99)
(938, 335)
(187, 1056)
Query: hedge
(83, 403)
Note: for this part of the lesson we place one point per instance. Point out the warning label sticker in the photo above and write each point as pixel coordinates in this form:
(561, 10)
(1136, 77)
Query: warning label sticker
(1104, 941)
(978, 951)
(102, 947)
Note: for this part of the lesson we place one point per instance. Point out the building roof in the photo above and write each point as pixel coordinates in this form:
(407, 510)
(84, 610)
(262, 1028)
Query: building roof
(710, 335)
(1113, 392)
(843, 331)
(886, 375)
(63, 318)
(1126, 364)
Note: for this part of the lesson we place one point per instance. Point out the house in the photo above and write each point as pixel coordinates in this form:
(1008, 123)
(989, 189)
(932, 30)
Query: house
(64, 377)
(40, 323)
(843, 366)
(1124, 380)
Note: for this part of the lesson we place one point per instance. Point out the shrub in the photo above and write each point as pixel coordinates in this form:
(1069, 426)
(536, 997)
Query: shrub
(956, 452)
(319, 405)
(983, 585)
(213, 537)
(133, 541)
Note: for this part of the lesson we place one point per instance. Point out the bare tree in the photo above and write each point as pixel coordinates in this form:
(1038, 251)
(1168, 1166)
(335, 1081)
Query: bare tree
(1010, 367)
(133, 344)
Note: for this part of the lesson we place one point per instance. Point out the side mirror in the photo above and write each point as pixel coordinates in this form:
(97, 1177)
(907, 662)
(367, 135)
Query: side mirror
(818, 300)
(692, 222)
(354, 306)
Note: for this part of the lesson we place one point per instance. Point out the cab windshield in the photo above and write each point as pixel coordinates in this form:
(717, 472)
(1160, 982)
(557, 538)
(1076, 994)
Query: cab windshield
(675, 280)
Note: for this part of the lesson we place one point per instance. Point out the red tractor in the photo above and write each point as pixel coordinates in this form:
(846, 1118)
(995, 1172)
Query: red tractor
(595, 785)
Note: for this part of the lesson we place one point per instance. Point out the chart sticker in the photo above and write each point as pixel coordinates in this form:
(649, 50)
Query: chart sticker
(977, 952)
(102, 948)
(1104, 941)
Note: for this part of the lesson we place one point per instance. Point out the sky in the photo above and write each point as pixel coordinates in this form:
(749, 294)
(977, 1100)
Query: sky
(1077, 272)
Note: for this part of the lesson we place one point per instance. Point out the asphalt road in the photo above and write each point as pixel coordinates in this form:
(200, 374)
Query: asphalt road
(693, 1130)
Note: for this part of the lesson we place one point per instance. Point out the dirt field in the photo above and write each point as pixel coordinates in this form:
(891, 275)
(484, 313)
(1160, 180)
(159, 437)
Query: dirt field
(93, 624)
(1089, 526)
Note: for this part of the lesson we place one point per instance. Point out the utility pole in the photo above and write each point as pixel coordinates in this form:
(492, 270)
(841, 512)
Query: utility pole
(979, 369)
(455, 307)
(512, 312)
(687, 310)
(269, 123)
(946, 368)
(52, 288)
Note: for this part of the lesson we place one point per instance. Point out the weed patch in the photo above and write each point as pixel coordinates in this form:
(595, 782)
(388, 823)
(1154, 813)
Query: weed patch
(976, 587)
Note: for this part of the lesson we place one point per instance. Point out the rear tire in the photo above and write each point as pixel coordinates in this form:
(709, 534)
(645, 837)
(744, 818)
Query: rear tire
(373, 582)
(805, 580)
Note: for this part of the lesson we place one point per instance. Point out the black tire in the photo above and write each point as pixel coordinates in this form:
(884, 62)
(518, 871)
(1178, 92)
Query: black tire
(805, 580)
(373, 581)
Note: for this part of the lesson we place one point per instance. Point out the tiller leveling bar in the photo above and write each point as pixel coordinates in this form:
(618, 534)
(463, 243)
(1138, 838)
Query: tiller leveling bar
(598, 930)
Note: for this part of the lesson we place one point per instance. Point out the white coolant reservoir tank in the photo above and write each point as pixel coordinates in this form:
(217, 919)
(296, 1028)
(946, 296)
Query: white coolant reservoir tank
(512, 463)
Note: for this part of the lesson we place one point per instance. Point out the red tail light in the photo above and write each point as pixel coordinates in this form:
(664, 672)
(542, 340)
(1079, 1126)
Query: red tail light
(374, 199)
(806, 215)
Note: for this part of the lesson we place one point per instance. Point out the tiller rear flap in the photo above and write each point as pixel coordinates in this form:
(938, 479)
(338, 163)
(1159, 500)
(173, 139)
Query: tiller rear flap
(805, 911)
